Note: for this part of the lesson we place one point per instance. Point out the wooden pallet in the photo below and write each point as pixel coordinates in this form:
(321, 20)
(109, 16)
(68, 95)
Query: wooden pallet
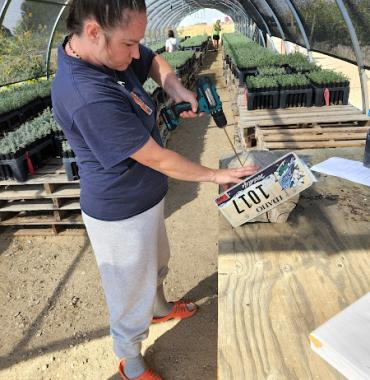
(303, 127)
(47, 199)
(319, 136)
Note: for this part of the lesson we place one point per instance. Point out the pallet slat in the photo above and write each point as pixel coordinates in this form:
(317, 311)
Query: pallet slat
(42, 220)
(245, 123)
(35, 192)
(38, 205)
(313, 144)
(313, 130)
(314, 137)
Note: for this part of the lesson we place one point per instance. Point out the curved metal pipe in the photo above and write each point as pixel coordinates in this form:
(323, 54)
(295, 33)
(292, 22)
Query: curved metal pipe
(3, 10)
(358, 53)
(262, 18)
(281, 31)
(199, 5)
(180, 7)
(301, 28)
(50, 42)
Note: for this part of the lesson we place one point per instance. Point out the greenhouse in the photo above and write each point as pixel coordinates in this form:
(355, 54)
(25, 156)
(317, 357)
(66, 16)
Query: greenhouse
(247, 124)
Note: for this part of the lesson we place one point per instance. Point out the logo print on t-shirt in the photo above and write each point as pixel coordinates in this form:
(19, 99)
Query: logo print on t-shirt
(141, 104)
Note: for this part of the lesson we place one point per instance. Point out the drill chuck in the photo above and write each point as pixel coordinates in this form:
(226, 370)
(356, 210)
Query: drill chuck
(220, 119)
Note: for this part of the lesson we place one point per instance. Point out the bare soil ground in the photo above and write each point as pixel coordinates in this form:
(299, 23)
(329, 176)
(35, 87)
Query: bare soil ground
(54, 322)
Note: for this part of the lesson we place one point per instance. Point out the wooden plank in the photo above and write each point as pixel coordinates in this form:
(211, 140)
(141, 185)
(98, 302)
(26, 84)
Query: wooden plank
(313, 144)
(38, 205)
(293, 119)
(343, 340)
(36, 192)
(354, 124)
(315, 137)
(277, 283)
(58, 178)
(300, 111)
(314, 130)
(41, 220)
(249, 115)
(66, 230)
(297, 121)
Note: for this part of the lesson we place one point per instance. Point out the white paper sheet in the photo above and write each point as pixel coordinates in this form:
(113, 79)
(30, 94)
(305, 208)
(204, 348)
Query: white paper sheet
(351, 170)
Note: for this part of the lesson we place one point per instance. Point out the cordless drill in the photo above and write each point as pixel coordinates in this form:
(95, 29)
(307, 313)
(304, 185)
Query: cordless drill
(209, 102)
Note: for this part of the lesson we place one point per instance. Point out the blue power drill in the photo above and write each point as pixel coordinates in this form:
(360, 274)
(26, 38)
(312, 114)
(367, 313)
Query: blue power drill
(209, 102)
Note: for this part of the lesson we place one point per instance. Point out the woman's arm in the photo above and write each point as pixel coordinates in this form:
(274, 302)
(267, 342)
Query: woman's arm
(164, 75)
(176, 166)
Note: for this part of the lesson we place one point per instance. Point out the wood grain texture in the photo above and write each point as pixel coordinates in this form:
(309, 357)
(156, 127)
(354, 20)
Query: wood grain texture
(278, 282)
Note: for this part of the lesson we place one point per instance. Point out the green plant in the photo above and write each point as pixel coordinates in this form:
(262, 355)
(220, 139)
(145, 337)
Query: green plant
(194, 41)
(16, 96)
(178, 58)
(298, 62)
(328, 77)
(271, 71)
(158, 47)
(292, 81)
(22, 56)
(66, 147)
(150, 86)
(28, 133)
(261, 83)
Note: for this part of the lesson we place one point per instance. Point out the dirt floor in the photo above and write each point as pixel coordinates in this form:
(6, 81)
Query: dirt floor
(54, 322)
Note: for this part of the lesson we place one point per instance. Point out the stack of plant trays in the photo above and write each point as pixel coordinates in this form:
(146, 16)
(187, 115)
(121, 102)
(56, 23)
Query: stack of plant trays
(24, 149)
(196, 43)
(21, 102)
(261, 93)
(330, 88)
(295, 91)
(69, 162)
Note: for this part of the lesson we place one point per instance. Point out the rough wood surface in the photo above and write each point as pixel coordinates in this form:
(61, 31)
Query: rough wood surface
(278, 282)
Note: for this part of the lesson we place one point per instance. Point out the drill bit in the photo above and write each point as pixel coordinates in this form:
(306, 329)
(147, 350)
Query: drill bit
(232, 145)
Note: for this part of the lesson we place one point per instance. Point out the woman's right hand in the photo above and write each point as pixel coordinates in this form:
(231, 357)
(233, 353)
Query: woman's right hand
(233, 176)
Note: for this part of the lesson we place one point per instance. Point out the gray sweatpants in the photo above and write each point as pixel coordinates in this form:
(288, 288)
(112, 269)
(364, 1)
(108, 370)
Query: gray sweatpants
(132, 256)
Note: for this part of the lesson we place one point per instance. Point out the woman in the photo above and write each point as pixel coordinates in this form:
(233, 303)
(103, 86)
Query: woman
(110, 122)
(171, 42)
(216, 34)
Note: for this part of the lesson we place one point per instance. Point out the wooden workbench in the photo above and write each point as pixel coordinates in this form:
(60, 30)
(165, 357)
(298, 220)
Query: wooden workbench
(277, 283)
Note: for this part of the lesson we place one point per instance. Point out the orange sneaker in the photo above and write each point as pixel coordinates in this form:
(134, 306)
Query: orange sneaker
(147, 375)
(180, 311)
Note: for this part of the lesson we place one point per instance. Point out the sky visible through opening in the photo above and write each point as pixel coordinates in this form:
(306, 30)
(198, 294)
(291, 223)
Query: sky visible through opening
(205, 15)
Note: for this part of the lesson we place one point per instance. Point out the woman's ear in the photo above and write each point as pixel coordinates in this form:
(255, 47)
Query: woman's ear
(92, 30)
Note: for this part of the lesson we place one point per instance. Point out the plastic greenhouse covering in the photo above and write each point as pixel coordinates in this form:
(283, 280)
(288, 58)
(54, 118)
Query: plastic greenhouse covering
(31, 29)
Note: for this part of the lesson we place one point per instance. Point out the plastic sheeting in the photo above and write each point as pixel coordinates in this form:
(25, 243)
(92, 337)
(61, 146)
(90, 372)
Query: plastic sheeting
(27, 28)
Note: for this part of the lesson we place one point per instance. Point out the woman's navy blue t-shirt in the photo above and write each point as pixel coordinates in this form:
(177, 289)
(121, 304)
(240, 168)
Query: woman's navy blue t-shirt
(104, 117)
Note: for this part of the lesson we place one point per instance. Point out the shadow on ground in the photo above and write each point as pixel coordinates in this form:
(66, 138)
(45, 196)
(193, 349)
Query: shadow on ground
(179, 348)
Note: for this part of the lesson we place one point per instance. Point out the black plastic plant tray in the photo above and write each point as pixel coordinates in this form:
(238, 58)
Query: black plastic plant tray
(10, 120)
(71, 168)
(242, 74)
(58, 138)
(16, 166)
(182, 70)
(296, 98)
(13, 119)
(337, 95)
(262, 99)
(158, 96)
